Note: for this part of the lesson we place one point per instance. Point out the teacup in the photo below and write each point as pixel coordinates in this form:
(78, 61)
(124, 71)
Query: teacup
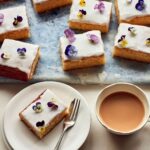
(128, 88)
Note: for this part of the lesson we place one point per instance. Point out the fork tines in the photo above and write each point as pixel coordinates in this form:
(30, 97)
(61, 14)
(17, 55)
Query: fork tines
(75, 104)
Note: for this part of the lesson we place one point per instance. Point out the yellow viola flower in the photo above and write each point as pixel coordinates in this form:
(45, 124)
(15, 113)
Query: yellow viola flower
(81, 13)
(42, 129)
(124, 43)
(82, 3)
(147, 43)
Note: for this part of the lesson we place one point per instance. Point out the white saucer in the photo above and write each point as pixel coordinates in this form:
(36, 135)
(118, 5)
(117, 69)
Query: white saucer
(20, 137)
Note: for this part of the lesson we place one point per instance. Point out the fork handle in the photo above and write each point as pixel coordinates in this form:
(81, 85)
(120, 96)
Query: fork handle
(60, 139)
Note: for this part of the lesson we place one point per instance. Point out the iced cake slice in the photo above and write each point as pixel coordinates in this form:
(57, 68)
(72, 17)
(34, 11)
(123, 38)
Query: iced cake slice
(18, 60)
(133, 42)
(133, 11)
(81, 50)
(44, 5)
(44, 113)
(90, 15)
(14, 23)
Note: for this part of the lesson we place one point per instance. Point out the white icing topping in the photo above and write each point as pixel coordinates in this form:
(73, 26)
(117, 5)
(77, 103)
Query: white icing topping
(128, 11)
(47, 114)
(9, 15)
(15, 61)
(93, 16)
(137, 42)
(84, 47)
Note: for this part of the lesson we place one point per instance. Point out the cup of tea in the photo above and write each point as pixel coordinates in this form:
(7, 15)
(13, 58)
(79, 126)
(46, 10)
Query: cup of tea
(122, 108)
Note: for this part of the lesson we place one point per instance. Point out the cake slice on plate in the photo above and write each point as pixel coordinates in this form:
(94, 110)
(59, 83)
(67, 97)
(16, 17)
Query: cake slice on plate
(14, 23)
(81, 50)
(43, 113)
(133, 42)
(18, 60)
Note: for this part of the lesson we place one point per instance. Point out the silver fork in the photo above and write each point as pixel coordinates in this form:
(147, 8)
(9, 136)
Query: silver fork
(69, 120)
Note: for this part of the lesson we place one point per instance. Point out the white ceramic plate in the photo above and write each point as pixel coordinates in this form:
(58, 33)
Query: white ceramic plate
(21, 138)
(4, 138)
(6, 142)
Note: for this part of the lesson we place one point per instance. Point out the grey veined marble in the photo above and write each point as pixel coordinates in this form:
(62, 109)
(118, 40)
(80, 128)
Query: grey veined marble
(46, 28)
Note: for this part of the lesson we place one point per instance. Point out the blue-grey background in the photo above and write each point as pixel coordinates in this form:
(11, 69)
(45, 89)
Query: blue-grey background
(46, 29)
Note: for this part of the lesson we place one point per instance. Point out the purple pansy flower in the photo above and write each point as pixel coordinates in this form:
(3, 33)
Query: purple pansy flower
(71, 51)
(52, 105)
(70, 35)
(1, 18)
(17, 20)
(5, 56)
(40, 123)
(93, 38)
(37, 107)
(140, 5)
(132, 30)
(100, 7)
(2, 55)
(21, 51)
(122, 38)
(82, 11)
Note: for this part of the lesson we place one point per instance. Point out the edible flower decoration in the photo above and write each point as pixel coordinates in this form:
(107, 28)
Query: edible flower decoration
(71, 51)
(100, 7)
(21, 51)
(132, 31)
(122, 41)
(70, 35)
(5, 56)
(1, 18)
(140, 5)
(37, 107)
(17, 20)
(82, 3)
(93, 38)
(147, 42)
(129, 1)
(81, 13)
(52, 105)
(40, 125)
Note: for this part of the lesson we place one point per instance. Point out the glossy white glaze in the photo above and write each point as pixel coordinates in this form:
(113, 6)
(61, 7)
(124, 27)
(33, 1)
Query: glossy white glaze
(93, 16)
(128, 11)
(15, 61)
(136, 43)
(84, 47)
(9, 15)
